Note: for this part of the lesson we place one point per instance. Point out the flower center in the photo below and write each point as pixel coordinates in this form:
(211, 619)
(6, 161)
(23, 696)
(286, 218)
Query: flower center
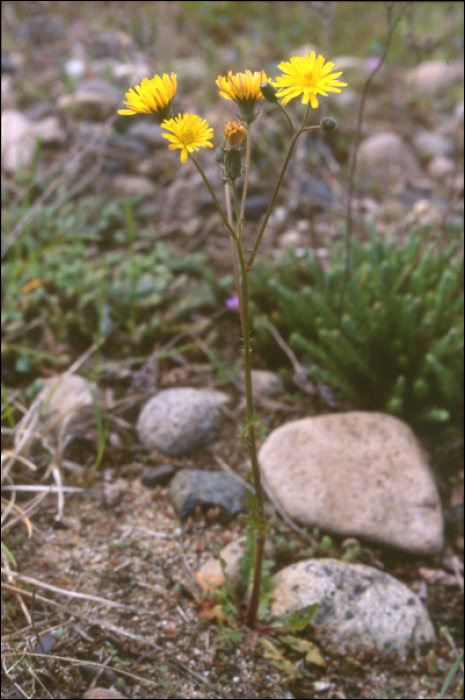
(309, 78)
(188, 136)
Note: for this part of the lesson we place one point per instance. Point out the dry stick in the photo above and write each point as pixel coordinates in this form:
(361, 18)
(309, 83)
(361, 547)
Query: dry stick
(299, 370)
(18, 592)
(124, 633)
(72, 594)
(70, 659)
(26, 427)
(29, 421)
(267, 489)
(192, 585)
(96, 678)
(309, 538)
(358, 135)
(22, 515)
(38, 637)
(28, 510)
(229, 470)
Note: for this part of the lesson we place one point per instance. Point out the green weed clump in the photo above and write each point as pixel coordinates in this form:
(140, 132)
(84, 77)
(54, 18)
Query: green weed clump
(394, 344)
(69, 280)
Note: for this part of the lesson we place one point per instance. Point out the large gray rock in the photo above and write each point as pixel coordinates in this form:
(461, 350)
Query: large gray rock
(179, 421)
(360, 608)
(357, 473)
(435, 76)
(385, 160)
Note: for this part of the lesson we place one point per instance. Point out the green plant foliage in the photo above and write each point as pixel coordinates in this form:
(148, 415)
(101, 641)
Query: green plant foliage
(451, 675)
(397, 343)
(8, 553)
(225, 606)
(71, 274)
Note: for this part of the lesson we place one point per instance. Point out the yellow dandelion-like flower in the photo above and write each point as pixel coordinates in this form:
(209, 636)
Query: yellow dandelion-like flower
(244, 89)
(152, 97)
(188, 132)
(308, 76)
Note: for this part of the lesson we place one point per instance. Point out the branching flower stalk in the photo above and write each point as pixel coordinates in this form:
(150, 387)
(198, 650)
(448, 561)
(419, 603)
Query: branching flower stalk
(307, 76)
(258, 514)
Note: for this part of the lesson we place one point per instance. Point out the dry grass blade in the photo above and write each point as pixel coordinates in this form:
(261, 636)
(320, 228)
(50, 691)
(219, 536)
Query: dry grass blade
(72, 594)
(143, 641)
(27, 522)
(26, 427)
(70, 660)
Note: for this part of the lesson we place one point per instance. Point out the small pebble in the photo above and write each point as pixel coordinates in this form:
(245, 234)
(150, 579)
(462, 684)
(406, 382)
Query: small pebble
(192, 488)
(157, 476)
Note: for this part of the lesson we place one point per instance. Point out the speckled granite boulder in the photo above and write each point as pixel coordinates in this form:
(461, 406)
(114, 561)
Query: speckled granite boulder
(180, 421)
(360, 608)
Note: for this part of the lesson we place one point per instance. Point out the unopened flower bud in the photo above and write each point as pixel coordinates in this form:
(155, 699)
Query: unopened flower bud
(232, 164)
(328, 124)
(234, 134)
(269, 92)
(219, 153)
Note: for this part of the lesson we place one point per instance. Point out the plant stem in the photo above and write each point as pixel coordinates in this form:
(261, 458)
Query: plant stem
(247, 167)
(284, 111)
(235, 257)
(259, 521)
(213, 196)
(277, 188)
(258, 514)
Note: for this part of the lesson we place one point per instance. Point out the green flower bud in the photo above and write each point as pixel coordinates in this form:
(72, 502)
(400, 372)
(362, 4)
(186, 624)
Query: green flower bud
(232, 164)
(219, 153)
(328, 124)
(269, 92)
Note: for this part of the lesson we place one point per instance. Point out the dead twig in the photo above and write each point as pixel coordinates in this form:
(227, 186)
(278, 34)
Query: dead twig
(144, 641)
(72, 594)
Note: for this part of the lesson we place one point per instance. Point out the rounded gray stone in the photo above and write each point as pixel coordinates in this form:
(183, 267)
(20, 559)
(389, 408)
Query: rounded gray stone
(179, 421)
(192, 488)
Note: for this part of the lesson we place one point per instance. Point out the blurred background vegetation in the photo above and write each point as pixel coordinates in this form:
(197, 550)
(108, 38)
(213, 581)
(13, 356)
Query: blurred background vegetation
(93, 267)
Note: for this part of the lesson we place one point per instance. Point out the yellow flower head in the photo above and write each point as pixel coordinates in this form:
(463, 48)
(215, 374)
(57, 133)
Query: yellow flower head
(152, 97)
(308, 76)
(188, 132)
(234, 133)
(244, 89)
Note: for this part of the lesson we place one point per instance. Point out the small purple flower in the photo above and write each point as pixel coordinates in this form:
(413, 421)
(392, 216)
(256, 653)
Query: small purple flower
(232, 303)
(372, 62)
